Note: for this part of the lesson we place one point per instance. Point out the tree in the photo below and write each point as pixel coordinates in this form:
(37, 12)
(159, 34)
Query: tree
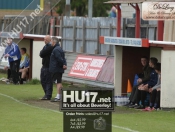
(81, 6)
(100, 8)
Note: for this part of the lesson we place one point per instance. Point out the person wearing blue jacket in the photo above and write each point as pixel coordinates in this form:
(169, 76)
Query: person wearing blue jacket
(14, 57)
(144, 88)
(57, 65)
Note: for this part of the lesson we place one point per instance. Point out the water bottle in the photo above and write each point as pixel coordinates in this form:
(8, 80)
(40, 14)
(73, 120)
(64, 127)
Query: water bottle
(126, 100)
(122, 100)
(119, 101)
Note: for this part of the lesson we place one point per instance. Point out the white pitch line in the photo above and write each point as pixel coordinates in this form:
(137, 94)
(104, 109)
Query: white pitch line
(115, 126)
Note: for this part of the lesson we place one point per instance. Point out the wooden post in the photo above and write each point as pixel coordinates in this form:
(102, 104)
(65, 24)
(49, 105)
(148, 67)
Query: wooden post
(5, 23)
(52, 26)
(47, 27)
(57, 28)
(84, 38)
(124, 27)
(61, 27)
(33, 28)
(31, 59)
(74, 36)
(160, 30)
(147, 31)
(137, 28)
(39, 26)
(1, 22)
(98, 35)
(61, 30)
(110, 34)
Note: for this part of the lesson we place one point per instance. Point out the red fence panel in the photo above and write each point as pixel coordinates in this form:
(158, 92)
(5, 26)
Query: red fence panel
(107, 72)
(87, 67)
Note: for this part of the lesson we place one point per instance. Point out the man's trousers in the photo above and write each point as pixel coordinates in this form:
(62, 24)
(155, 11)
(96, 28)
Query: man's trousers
(46, 82)
(14, 67)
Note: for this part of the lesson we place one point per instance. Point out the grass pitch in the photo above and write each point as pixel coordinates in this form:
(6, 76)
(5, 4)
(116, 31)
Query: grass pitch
(22, 111)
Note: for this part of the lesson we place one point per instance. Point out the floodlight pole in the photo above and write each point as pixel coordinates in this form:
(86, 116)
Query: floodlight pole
(90, 8)
(67, 8)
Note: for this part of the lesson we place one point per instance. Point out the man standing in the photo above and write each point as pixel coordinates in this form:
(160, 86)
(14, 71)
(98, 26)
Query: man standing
(45, 75)
(57, 65)
(13, 53)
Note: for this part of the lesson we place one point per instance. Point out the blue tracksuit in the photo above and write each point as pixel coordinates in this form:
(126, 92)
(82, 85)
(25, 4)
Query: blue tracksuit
(13, 51)
(27, 63)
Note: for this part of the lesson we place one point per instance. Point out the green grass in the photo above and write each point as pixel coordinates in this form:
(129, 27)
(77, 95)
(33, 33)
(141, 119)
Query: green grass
(18, 117)
(2, 75)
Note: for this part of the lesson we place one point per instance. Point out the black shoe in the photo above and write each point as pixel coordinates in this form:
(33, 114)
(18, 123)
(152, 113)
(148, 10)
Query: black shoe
(132, 105)
(55, 100)
(45, 98)
(127, 104)
(140, 107)
(16, 83)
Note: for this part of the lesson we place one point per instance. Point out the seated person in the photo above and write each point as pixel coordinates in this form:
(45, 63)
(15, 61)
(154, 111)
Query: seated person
(155, 92)
(24, 57)
(144, 88)
(24, 72)
(143, 79)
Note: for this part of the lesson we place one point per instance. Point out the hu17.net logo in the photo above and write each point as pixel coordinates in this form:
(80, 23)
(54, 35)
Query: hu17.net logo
(89, 99)
(158, 10)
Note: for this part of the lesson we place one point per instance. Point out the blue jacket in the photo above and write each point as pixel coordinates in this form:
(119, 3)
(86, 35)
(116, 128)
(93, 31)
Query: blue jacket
(13, 51)
(153, 79)
(27, 63)
(57, 60)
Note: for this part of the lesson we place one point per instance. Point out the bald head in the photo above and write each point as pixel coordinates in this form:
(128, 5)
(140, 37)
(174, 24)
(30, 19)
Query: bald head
(47, 39)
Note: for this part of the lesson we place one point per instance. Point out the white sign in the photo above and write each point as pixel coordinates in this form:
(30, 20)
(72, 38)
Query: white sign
(123, 41)
(158, 11)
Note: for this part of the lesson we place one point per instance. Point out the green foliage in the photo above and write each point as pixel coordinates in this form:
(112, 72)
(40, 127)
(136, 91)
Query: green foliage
(81, 6)
(100, 8)
(61, 7)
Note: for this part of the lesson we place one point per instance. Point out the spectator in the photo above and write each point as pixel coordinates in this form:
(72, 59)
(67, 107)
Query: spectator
(24, 71)
(155, 92)
(144, 78)
(45, 75)
(24, 57)
(13, 53)
(57, 66)
(144, 88)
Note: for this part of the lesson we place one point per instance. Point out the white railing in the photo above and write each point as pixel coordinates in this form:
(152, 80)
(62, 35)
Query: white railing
(161, 42)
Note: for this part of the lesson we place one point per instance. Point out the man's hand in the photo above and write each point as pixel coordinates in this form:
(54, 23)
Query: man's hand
(7, 55)
(140, 86)
(6, 68)
(158, 89)
(139, 80)
(64, 67)
(150, 90)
